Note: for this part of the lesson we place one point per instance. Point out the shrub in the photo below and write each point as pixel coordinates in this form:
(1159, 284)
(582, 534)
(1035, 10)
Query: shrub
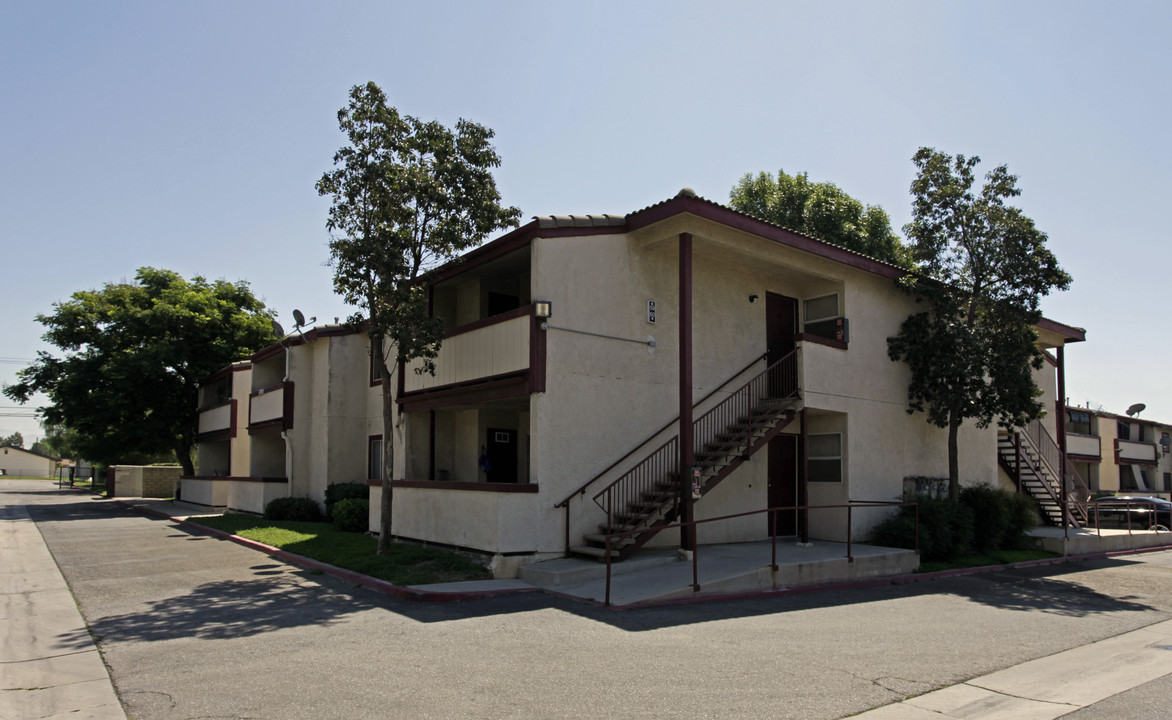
(1022, 512)
(990, 509)
(293, 508)
(342, 491)
(946, 529)
(352, 514)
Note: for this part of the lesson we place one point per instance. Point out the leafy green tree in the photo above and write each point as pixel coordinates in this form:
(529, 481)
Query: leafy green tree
(59, 441)
(13, 440)
(407, 196)
(982, 268)
(133, 355)
(820, 210)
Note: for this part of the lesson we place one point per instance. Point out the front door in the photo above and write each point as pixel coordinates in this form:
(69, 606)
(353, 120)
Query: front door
(781, 324)
(501, 452)
(783, 484)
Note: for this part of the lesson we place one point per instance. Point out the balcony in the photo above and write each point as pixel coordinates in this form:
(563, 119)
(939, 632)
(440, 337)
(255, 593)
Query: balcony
(271, 408)
(216, 419)
(1084, 446)
(485, 350)
(1127, 451)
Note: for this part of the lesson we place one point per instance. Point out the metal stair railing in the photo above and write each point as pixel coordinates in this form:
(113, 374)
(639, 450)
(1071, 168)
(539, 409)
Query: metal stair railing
(661, 467)
(1047, 450)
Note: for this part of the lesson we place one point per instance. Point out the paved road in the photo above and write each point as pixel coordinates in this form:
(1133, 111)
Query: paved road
(194, 627)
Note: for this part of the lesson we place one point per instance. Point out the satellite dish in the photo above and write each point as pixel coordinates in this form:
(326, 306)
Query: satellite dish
(1136, 409)
(298, 317)
(277, 329)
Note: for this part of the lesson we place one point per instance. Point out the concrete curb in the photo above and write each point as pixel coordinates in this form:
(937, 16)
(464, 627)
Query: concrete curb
(355, 578)
(404, 593)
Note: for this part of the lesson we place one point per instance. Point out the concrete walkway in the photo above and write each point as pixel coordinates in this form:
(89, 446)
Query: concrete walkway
(49, 665)
(1048, 687)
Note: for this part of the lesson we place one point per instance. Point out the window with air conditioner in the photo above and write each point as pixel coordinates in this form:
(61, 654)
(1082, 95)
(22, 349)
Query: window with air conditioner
(822, 317)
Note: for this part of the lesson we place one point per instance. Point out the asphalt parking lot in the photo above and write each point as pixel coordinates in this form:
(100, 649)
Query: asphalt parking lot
(195, 627)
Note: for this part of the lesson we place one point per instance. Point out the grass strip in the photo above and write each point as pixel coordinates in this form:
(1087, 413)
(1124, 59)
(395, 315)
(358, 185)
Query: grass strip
(405, 565)
(996, 557)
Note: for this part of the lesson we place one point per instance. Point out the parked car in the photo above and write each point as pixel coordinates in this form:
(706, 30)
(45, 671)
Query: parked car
(1145, 513)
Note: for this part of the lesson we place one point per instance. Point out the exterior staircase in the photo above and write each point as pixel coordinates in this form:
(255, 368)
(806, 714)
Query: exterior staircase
(1031, 457)
(644, 500)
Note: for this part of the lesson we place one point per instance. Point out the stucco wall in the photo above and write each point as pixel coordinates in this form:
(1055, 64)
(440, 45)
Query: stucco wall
(18, 463)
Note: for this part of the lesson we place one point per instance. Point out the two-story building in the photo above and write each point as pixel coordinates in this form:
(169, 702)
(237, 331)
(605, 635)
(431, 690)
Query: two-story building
(592, 362)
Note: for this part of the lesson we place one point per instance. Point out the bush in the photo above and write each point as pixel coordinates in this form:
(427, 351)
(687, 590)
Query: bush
(1023, 516)
(293, 508)
(343, 491)
(946, 529)
(352, 514)
(990, 509)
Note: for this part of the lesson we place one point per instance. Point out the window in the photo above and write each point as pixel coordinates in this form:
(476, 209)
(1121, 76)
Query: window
(1167, 482)
(1078, 421)
(1124, 431)
(821, 318)
(825, 461)
(374, 376)
(374, 458)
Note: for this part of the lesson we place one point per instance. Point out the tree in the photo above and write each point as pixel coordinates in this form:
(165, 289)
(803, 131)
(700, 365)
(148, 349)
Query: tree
(134, 353)
(14, 440)
(981, 267)
(820, 210)
(407, 196)
(59, 441)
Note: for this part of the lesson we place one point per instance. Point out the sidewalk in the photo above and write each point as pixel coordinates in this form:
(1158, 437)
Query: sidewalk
(1048, 687)
(49, 665)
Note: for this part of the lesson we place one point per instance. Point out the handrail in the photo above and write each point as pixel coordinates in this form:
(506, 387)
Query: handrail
(582, 489)
(649, 483)
(849, 506)
(1050, 454)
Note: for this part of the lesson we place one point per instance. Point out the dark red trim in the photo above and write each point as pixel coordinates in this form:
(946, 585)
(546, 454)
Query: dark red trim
(224, 372)
(313, 334)
(537, 354)
(1082, 434)
(709, 210)
(819, 340)
(1060, 422)
(1074, 457)
(287, 399)
(401, 386)
(497, 387)
(1053, 361)
(491, 320)
(476, 486)
(1069, 332)
(504, 245)
(214, 436)
(269, 389)
(275, 425)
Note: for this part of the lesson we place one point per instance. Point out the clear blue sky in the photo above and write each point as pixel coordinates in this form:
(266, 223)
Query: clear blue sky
(189, 136)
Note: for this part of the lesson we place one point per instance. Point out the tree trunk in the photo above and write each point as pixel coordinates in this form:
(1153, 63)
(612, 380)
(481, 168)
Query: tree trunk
(953, 457)
(384, 525)
(183, 455)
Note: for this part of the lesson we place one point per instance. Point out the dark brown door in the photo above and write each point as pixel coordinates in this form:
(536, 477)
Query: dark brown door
(783, 483)
(781, 324)
(501, 451)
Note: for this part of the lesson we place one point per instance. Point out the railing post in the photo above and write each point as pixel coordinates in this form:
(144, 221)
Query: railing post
(850, 558)
(608, 568)
(773, 537)
(1017, 460)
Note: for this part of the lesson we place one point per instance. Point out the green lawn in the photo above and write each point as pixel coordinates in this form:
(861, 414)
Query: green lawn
(997, 557)
(406, 565)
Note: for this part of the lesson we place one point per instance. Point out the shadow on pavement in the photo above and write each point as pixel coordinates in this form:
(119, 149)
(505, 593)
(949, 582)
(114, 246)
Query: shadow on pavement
(232, 609)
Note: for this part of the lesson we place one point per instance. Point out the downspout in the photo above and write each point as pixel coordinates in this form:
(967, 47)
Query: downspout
(284, 429)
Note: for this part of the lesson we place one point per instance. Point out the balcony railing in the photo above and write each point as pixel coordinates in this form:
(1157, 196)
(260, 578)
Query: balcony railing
(1138, 451)
(216, 418)
(1084, 445)
(270, 405)
(490, 348)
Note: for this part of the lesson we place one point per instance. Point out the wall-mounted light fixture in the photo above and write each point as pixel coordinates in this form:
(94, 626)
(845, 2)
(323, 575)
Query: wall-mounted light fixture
(753, 298)
(542, 309)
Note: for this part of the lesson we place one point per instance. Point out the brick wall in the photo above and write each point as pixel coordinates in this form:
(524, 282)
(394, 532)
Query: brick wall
(160, 482)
